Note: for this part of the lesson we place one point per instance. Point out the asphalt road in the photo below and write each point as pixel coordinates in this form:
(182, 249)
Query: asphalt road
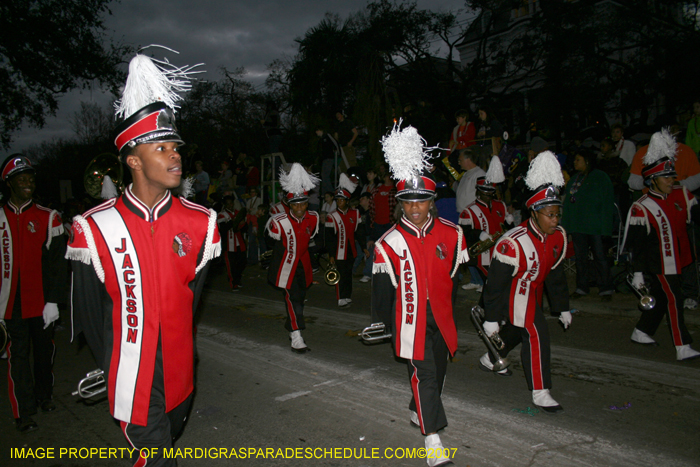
(625, 405)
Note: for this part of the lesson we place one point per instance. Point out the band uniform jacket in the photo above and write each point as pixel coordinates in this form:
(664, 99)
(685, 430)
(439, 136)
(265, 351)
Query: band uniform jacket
(413, 269)
(233, 234)
(137, 278)
(33, 246)
(292, 238)
(656, 231)
(477, 218)
(342, 229)
(279, 208)
(524, 261)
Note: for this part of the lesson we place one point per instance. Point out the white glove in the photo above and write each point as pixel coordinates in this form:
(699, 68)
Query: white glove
(50, 314)
(637, 280)
(565, 318)
(491, 327)
(509, 219)
(483, 235)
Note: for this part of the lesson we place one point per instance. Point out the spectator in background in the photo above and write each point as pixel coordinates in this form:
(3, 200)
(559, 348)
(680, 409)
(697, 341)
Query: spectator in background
(489, 128)
(463, 133)
(363, 207)
(231, 227)
(346, 134)
(252, 203)
(241, 173)
(588, 218)
(381, 212)
(466, 186)
(271, 124)
(328, 152)
(252, 177)
(328, 204)
(619, 172)
(201, 184)
(692, 135)
(625, 148)
(225, 186)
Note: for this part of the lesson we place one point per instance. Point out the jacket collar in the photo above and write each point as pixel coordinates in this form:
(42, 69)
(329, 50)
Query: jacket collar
(140, 209)
(532, 228)
(655, 194)
(20, 209)
(410, 228)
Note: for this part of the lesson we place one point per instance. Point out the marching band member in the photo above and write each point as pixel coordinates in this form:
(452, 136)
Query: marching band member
(234, 245)
(34, 245)
(139, 263)
(485, 217)
(343, 227)
(414, 284)
(526, 259)
(660, 246)
(290, 268)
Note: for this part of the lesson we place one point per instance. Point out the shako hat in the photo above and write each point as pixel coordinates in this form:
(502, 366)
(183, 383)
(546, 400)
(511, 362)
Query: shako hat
(544, 177)
(149, 100)
(14, 165)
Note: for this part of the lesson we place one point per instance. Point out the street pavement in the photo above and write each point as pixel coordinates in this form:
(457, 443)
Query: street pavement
(625, 405)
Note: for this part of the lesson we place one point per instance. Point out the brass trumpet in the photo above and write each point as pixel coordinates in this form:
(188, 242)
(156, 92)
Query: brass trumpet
(646, 301)
(332, 276)
(375, 332)
(92, 385)
(493, 343)
(483, 245)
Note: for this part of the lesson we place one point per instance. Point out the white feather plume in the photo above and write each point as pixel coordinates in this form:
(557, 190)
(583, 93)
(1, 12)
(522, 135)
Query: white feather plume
(495, 172)
(152, 81)
(405, 152)
(297, 180)
(109, 190)
(186, 188)
(345, 183)
(662, 144)
(544, 170)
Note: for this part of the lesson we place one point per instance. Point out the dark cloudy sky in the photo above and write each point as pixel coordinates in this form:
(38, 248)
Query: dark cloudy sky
(230, 33)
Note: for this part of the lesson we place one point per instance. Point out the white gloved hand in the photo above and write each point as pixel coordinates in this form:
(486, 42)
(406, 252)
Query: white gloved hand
(565, 318)
(483, 235)
(50, 314)
(638, 280)
(491, 327)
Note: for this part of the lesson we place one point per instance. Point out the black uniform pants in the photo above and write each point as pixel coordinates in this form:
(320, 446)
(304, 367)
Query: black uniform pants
(427, 378)
(235, 264)
(26, 389)
(162, 428)
(343, 289)
(669, 302)
(294, 298)
(535, 352)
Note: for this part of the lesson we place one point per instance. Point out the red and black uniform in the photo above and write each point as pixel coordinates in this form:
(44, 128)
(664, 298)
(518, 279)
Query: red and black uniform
(660, 247)
(279, 208)
(342, 229)
(290, 268)
(463, 136)
(33, 274)
(414, 289)
(524, 262)
(236, 256)
(479, 217)
(137, 277)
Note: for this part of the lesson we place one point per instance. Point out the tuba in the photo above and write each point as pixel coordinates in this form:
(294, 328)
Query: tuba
(332, 276)
(104, 164)
(646, 301)
(493, 343)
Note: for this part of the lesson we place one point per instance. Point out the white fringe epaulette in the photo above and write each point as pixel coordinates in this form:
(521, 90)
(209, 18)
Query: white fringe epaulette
(689, 202)
(150, 81)
(462, 254)
(53, 231)
(211, 250)
(384, 267)
(640, 220)
(90, 255)
(544, 170)
(273, 235)
(515, 262)
(563, 250)
(662, 144)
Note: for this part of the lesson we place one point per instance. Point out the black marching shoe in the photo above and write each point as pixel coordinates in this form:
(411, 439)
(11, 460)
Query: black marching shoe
(47, 405)
(25, 424)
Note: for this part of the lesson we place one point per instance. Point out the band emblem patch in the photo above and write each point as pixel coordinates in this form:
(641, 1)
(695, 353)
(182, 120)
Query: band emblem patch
(441, 250)
(182, 244)
(31, 227)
